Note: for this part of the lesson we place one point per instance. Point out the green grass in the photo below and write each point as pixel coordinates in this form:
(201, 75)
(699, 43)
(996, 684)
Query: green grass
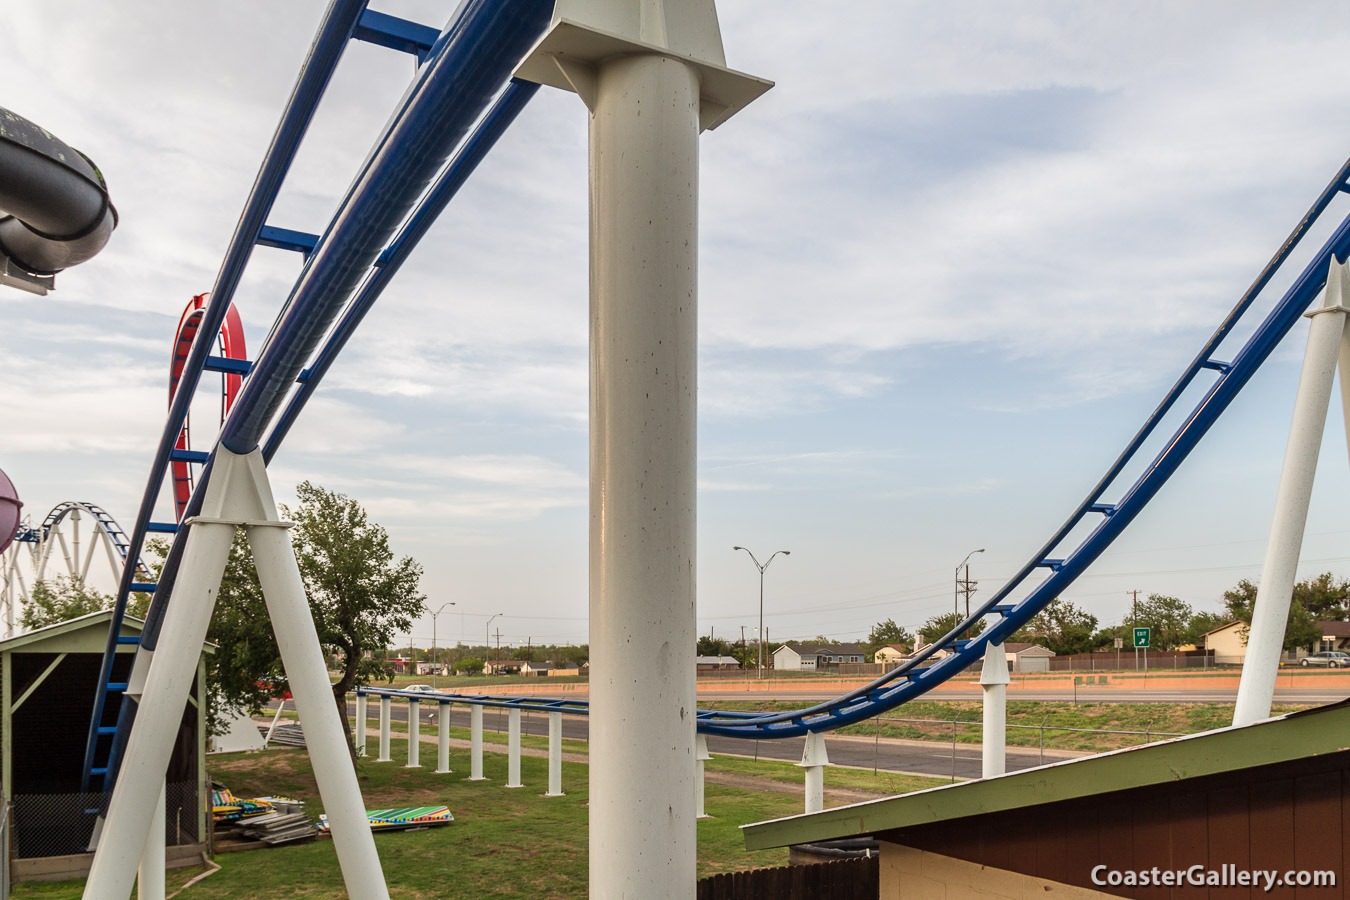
(1145, 718)
(504, 843)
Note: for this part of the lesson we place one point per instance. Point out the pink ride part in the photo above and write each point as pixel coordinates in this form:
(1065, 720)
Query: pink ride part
(10, 510)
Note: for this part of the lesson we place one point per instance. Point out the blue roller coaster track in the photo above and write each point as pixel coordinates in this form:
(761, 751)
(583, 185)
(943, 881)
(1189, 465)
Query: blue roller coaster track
(462, 99)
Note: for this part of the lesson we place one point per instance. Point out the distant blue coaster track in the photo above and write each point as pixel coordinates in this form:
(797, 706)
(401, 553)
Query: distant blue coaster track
(428, 150)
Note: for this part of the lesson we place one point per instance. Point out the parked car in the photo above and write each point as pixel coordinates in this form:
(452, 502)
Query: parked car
(1334, 659)
(420, 689)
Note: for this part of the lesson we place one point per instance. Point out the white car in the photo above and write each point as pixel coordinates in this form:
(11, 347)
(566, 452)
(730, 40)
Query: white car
(420, 689)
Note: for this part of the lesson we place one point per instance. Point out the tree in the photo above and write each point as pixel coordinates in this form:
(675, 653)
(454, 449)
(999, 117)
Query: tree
(1300, 628)
(937, 626)
(359, 594)
(884, 633)
(711, 646)
(1325, 597)
(1167, 618)
(64, 598)
(470, 666)
(1062, 627)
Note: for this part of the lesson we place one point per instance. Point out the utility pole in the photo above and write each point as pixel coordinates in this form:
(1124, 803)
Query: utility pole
(969, 586)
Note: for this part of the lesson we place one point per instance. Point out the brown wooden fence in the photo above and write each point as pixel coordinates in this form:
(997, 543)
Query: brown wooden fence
(845, 879)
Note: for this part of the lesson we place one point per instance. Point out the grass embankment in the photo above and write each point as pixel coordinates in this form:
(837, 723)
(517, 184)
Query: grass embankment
(505, 843)
(1143, 718)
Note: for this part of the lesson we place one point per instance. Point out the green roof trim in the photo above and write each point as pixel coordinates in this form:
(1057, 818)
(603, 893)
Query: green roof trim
(1298, 735)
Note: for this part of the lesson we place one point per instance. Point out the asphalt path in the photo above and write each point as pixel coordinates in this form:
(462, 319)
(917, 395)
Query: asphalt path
(889, 755)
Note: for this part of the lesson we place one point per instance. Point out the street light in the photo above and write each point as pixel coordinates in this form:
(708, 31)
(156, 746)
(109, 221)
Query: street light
(956, 588)
(487, 644)
(760, 641)
(433, 638)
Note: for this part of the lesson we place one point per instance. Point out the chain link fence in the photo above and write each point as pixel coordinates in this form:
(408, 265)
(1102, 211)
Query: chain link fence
(63, 824)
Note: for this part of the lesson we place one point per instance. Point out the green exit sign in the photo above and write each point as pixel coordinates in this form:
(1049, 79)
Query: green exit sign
(1141, 637)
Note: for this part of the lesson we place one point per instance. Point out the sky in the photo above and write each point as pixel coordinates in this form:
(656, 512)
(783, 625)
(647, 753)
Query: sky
(948, 264)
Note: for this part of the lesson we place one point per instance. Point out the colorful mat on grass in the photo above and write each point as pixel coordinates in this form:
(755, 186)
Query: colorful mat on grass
(403, 818)
(226, 807)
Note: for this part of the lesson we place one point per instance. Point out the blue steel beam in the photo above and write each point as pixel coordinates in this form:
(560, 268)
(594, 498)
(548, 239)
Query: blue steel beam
(494, 124)
(334, 32)
(472, 60)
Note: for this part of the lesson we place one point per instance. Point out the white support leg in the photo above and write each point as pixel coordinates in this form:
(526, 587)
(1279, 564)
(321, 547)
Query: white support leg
(150, 875)
(994, 681)
(386, 713)
(476, 743)
(814, 761)
(701, 756)
(442, 738)
(360, 732)
(414, 735)
(513, 749)
(1270, 614)
(554, 755)
(150, 745)
(325, 727)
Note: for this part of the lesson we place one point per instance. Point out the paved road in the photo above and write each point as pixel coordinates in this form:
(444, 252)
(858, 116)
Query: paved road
(916, 757)
(1083, 694)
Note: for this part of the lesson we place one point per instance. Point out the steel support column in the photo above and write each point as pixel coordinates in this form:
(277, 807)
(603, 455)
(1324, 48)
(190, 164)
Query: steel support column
(1270, 613)
(476, 743)
(513, 748)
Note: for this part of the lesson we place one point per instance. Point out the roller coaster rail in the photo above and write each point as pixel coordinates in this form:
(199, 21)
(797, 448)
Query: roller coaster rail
(466, 68)
(922, 672)
(464, 77)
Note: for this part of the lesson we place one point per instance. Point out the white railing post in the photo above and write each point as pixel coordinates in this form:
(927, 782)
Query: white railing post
(385, 714)
(554, 755)
(701, 757)
(360, 728)
(442, 738)
(513, 749)
(476, 743)
(414, 734)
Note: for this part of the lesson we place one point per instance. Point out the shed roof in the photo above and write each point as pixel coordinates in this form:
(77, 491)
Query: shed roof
(1019, 647)
(1335, 629)
(1298, 735)
(83, 634)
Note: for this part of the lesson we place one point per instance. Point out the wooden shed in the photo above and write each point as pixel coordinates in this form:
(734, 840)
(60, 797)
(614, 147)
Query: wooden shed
(1190, 817)
(47, 682)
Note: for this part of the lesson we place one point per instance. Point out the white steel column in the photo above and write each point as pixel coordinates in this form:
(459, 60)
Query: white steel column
(150, 875)
(360, 732)
(442, 738)
(1270, 614)
(644, 237)
(701, 755)
(476, 743)
(814, 761)
(386, 713)
(513, 748)
(994, 681)
(414, 735)
(652, 73)
(554, 755)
